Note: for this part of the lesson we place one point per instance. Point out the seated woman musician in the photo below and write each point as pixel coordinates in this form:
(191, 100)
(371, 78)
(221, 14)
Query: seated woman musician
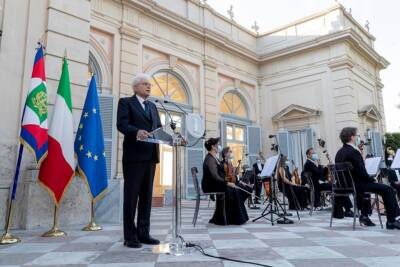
(231, 172)
(214, 180)
(294, 193)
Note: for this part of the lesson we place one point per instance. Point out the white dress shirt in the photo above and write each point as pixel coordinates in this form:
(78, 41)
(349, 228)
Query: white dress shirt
(141, 101)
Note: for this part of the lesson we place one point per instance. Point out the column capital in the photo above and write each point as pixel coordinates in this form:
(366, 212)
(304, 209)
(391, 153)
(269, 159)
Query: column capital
(130, 32)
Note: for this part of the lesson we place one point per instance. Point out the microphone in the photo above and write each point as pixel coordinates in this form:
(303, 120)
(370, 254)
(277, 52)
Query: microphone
(176, 105)
(172, 123)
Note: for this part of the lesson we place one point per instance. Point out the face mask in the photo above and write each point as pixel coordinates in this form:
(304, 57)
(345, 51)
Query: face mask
(231, 157)
(219, 149)
(358, 140)
(314, 157)
(287, 163)
(258, 161)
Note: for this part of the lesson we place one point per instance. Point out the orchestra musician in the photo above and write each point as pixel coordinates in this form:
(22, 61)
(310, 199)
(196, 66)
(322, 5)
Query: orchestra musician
(257, 168)
(214, 180)
(231, 172)
(320, 182)
(294, 193)
(350, 152)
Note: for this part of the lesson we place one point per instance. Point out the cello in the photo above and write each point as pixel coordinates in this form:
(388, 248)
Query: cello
(295, 174)
(328, 173)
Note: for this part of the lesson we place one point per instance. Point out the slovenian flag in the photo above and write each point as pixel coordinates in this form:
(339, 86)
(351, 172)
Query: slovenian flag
(57, 169)
(34, 120)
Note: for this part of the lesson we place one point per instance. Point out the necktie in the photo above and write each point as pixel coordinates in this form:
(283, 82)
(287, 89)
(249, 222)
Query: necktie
(147, 109)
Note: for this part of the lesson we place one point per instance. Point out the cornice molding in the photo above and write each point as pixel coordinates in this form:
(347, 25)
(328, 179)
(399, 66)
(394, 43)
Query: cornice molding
(349, 35)
(301, 112)
(371, 112)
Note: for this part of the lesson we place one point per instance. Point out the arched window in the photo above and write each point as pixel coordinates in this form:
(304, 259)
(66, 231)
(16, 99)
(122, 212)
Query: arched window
(232, 104)
(94, 68)
(169, 86)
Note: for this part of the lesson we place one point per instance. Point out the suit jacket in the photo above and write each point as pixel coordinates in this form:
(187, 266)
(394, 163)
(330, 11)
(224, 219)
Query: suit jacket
(317, 172)
(349, 154)
(131, 118)
(256, 170)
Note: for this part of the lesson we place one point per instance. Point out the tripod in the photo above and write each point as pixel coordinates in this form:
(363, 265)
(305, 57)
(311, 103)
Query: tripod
(274, 206)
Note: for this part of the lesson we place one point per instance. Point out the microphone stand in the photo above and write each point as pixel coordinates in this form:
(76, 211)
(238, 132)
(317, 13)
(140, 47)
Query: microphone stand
(177, 244)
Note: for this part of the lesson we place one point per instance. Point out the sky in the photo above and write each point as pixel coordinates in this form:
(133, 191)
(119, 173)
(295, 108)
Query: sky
(384, 24)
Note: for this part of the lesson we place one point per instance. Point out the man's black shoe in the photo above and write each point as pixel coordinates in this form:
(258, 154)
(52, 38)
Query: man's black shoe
(349, 213)
(393, 225)
(132, 244)
(364, 220)
(149, 240)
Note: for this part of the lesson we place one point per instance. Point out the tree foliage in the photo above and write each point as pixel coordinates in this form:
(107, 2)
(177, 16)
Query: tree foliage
(393, 140)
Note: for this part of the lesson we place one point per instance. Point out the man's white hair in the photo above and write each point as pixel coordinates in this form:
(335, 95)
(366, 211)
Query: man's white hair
(140, 77)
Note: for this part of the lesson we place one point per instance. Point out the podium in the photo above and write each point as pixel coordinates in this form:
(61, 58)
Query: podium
(159, 136)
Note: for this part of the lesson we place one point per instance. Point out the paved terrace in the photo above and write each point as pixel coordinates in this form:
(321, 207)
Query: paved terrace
(309, 242)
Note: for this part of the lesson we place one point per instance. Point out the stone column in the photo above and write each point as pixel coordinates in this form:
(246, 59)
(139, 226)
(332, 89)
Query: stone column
(344, 98)
(211, 98)
(382, 122)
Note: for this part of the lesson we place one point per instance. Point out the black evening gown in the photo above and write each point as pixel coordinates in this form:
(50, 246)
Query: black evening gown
(214, 181)
(293, 192)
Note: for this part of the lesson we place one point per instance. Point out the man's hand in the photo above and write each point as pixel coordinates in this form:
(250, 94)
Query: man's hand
(142, 134)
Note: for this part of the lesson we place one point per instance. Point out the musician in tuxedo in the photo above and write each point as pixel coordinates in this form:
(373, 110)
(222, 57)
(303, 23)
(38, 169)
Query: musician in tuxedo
(257, 168)
(320, 182)
(350, 152)
(136, 118)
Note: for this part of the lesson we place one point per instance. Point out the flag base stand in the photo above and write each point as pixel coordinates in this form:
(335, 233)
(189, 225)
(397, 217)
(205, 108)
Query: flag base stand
(54, 231)
(8, 238)
(92, 226)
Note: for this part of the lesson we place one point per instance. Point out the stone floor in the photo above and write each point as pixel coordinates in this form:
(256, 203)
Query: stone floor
(308, 242)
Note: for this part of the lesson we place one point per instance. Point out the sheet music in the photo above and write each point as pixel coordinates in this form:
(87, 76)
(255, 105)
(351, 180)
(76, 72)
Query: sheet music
(396, 160)
(269, 166)
(372, 165)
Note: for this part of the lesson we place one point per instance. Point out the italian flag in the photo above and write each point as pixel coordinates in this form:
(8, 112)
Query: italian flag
(34, 121)
(57, 169)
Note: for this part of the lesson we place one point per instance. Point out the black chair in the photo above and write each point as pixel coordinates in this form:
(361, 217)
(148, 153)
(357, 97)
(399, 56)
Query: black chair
(308, 180)
(199, 194)
(343, 185)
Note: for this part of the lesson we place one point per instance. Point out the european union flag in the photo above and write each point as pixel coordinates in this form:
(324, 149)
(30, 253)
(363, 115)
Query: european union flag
(89, 145)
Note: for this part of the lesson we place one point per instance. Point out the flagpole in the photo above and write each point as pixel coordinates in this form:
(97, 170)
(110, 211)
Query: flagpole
(7, 237)
(92, 226)
(55, 231)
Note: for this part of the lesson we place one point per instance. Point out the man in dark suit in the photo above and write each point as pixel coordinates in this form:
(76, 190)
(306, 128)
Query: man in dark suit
(136, 118)
(257, 167)
(350, 152)
(319, 180)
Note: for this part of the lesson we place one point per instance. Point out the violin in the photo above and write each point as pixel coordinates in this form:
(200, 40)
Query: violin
(231, 172)
(295, 174)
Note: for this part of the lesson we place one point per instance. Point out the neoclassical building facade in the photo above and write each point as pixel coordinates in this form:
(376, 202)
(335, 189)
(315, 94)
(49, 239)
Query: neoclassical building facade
(301, 82)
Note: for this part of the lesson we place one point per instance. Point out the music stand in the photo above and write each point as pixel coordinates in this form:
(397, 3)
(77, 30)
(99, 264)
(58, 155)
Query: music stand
(271, 170)
(247, 177)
